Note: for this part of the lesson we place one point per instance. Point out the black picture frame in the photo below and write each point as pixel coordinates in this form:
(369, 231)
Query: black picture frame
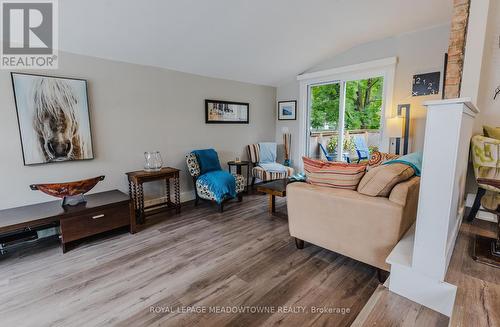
(226, 104)
(426, 84)
(91, 140)
(294, 114)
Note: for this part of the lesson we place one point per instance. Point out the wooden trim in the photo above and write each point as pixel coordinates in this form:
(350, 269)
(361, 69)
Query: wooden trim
(351, 68)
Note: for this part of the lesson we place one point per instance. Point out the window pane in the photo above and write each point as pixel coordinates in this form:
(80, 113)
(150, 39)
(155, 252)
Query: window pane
(325, 107)
(364, 103)
(363, 115)
(324, 120)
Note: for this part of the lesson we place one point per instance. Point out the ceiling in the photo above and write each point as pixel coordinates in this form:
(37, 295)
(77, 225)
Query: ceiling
(256, 41)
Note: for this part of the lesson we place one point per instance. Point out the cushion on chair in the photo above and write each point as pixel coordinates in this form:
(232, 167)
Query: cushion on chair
(208, 160)
(493, 132)
(380, 180)
(265, 176)
(486, 159)
(333, 174)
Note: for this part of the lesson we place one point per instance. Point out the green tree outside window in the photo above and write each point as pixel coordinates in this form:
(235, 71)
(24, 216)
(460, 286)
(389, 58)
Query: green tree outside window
(363, 105)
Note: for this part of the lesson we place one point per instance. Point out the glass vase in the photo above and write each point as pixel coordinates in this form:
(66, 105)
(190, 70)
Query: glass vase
(153, 161)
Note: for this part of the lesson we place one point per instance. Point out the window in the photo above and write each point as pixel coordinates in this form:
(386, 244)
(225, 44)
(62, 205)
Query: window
(344, 110)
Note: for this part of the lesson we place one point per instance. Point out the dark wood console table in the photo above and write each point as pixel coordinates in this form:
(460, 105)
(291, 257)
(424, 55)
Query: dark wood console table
(102, 212)
(136, 179)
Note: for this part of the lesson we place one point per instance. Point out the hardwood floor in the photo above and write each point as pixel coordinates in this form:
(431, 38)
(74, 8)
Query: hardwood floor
(389, 309)
(200, 259)
(478, 296)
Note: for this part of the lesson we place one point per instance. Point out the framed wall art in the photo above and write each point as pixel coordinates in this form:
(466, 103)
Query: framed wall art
(53, 117)
(287, 110)
(226, 112)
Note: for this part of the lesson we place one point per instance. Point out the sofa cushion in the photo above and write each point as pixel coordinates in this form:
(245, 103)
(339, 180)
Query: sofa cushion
(333, 174)
(380, 180)
(377, 158)
(493, 132)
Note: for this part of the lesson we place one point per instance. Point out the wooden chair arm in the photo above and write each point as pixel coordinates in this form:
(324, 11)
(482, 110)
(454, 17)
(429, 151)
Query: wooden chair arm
(490, 182)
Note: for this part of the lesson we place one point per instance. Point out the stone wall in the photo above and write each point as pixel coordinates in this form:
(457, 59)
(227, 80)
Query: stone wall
(456, 50)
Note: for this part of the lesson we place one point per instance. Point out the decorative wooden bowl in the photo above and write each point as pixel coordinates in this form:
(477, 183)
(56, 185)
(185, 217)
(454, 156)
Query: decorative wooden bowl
(68, 190)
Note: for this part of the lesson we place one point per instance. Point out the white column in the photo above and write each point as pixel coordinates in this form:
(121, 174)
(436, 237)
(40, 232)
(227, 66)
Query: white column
(419, 262)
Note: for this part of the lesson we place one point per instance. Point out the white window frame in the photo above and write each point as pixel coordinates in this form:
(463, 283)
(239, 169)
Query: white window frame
(385, 68)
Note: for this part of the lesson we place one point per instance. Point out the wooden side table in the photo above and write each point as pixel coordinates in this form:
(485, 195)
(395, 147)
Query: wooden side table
(238, 165)
(136, 179)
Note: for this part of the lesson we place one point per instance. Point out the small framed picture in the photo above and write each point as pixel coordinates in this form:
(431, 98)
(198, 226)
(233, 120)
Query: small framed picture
(225, 112)
(287, 110)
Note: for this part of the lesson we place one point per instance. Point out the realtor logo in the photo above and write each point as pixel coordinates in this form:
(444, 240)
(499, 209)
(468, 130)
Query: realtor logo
(29, 34)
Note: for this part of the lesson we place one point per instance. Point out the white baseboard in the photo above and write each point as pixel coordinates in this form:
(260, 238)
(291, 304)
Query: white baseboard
(483, 215)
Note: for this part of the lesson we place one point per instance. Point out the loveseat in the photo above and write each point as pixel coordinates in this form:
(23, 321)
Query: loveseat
(365, 228)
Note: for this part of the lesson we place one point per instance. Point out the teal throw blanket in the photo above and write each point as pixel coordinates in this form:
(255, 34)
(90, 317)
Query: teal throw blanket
(221, 183)
(413, 160)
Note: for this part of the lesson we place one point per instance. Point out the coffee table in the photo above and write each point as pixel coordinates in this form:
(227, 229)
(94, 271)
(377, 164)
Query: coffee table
(274, 189)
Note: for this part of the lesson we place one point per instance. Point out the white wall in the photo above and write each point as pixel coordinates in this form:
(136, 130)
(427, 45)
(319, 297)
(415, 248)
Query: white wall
(134, 109)
(418, 52)
(490, 73)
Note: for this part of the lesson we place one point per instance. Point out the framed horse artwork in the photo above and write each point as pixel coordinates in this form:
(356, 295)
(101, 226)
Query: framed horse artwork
(54, 119)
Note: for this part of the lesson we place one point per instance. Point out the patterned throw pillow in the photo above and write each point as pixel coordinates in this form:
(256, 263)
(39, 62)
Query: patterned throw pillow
(333, 174)
(378, 158)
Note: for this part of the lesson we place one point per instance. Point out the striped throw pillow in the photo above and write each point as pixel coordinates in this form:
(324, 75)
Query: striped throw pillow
(333, 174)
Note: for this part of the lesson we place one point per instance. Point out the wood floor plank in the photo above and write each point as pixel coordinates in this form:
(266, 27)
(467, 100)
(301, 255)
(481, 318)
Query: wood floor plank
(477, 301)
(243, 257)
(478, 295)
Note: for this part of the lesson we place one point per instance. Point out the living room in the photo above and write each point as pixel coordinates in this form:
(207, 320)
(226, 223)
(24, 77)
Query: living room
(239, 163)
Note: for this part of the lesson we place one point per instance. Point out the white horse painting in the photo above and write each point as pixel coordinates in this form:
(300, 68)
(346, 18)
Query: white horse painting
(53, 118)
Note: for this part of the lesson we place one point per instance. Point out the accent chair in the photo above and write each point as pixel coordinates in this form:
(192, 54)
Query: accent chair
(259, 172)
(206, 190)
(486, 163)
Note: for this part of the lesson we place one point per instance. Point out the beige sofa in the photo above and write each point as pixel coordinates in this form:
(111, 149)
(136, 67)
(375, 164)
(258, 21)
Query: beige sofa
(362, 227)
